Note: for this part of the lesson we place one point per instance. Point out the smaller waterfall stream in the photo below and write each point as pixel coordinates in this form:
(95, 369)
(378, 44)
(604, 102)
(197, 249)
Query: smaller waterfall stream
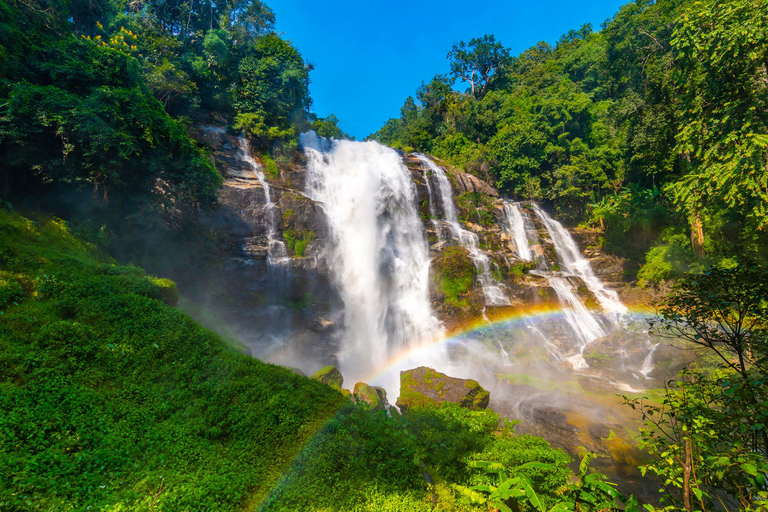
(494, 295)
(575, 264)
(276, 252)
(516, 228)
(585, 326)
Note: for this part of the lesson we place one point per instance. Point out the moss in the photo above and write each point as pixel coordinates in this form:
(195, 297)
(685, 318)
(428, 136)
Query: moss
(168, 291)
(454, 275)
(296, 242)
(597, 359)
(271, 171)
(330, 376)
(476, 207)
(369, 396)
(522, 268)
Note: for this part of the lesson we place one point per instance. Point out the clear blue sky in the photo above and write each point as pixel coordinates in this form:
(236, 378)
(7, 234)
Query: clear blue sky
(370, 55)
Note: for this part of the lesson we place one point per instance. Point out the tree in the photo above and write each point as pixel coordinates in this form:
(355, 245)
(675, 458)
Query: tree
(710, 435)
(722, 79)
(478, 62)
(724, 310)
(272, 95)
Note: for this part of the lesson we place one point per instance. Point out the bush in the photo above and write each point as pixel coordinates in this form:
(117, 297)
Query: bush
(667, 261)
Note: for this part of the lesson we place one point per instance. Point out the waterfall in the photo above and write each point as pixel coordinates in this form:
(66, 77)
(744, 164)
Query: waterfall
(377, 251)
(276, 252)
(585, 325)
(648, 361)
(575, 264)
(515, 226)
(578, 317)
(494, 295)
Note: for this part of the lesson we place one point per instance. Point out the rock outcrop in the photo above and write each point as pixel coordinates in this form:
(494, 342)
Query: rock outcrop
(374, 397)
(330, 376)
(425, 387)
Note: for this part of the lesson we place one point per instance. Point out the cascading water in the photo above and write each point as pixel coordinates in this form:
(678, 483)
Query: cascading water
(494, 295)
(585, 326)
(575, 264)
(647, 367)
(276, 252)
(378, 252)
(516, 228)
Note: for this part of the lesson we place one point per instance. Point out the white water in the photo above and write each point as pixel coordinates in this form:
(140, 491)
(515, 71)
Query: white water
(516, 228)
(585, 326)
(276, 252)
(647, 367)
(494, 295)
(578, 317)
(378, 253)
(574, 263)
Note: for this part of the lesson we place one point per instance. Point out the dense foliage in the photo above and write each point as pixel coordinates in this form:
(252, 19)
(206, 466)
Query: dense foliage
(655, 125)
(111, 399)
(96, 100)
(710, 436)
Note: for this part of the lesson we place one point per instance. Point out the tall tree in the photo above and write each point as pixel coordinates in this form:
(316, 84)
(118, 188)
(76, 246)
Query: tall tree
(722, 79)
(478, 62)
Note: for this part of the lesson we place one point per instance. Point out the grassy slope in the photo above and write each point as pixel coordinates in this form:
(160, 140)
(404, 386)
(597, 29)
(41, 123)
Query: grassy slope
(112, 399)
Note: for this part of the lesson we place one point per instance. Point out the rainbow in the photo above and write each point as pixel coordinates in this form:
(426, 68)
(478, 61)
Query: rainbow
(502, 318)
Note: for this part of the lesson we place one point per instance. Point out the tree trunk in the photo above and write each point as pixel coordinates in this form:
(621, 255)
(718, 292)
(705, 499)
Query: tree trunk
(697, 234)
(687, 476)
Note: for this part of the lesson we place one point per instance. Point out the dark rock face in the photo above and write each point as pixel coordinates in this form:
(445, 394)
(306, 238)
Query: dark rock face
(425, 387)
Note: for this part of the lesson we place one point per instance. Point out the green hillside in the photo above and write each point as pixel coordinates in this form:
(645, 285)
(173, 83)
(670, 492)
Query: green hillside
(112, 399)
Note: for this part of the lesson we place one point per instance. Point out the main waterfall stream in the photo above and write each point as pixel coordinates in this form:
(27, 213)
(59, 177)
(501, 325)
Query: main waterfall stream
(378, 251)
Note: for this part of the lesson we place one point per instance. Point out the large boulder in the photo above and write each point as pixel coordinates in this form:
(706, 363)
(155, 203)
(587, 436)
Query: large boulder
(425, 387)
(329, 376)
(374, 397)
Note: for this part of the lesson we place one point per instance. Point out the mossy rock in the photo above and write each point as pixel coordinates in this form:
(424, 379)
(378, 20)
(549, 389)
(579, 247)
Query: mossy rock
(425, 387)
(375, 398)
(168, 292)
(329, 376)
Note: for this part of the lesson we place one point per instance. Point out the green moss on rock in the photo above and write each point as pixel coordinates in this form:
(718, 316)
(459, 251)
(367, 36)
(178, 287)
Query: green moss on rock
(374, 397)
(329, 376)
(427, 388)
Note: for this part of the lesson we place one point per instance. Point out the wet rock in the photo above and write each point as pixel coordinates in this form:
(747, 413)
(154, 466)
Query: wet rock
(425, 387)
(374, 397)
(600, 431)
(469, 183)
(329, 376)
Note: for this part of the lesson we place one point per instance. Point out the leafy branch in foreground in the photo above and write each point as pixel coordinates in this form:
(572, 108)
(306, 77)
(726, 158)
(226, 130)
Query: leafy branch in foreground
(709, 436)
(515, 492)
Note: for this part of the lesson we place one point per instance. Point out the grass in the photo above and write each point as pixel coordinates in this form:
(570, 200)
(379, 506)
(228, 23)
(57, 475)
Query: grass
(112, 399)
